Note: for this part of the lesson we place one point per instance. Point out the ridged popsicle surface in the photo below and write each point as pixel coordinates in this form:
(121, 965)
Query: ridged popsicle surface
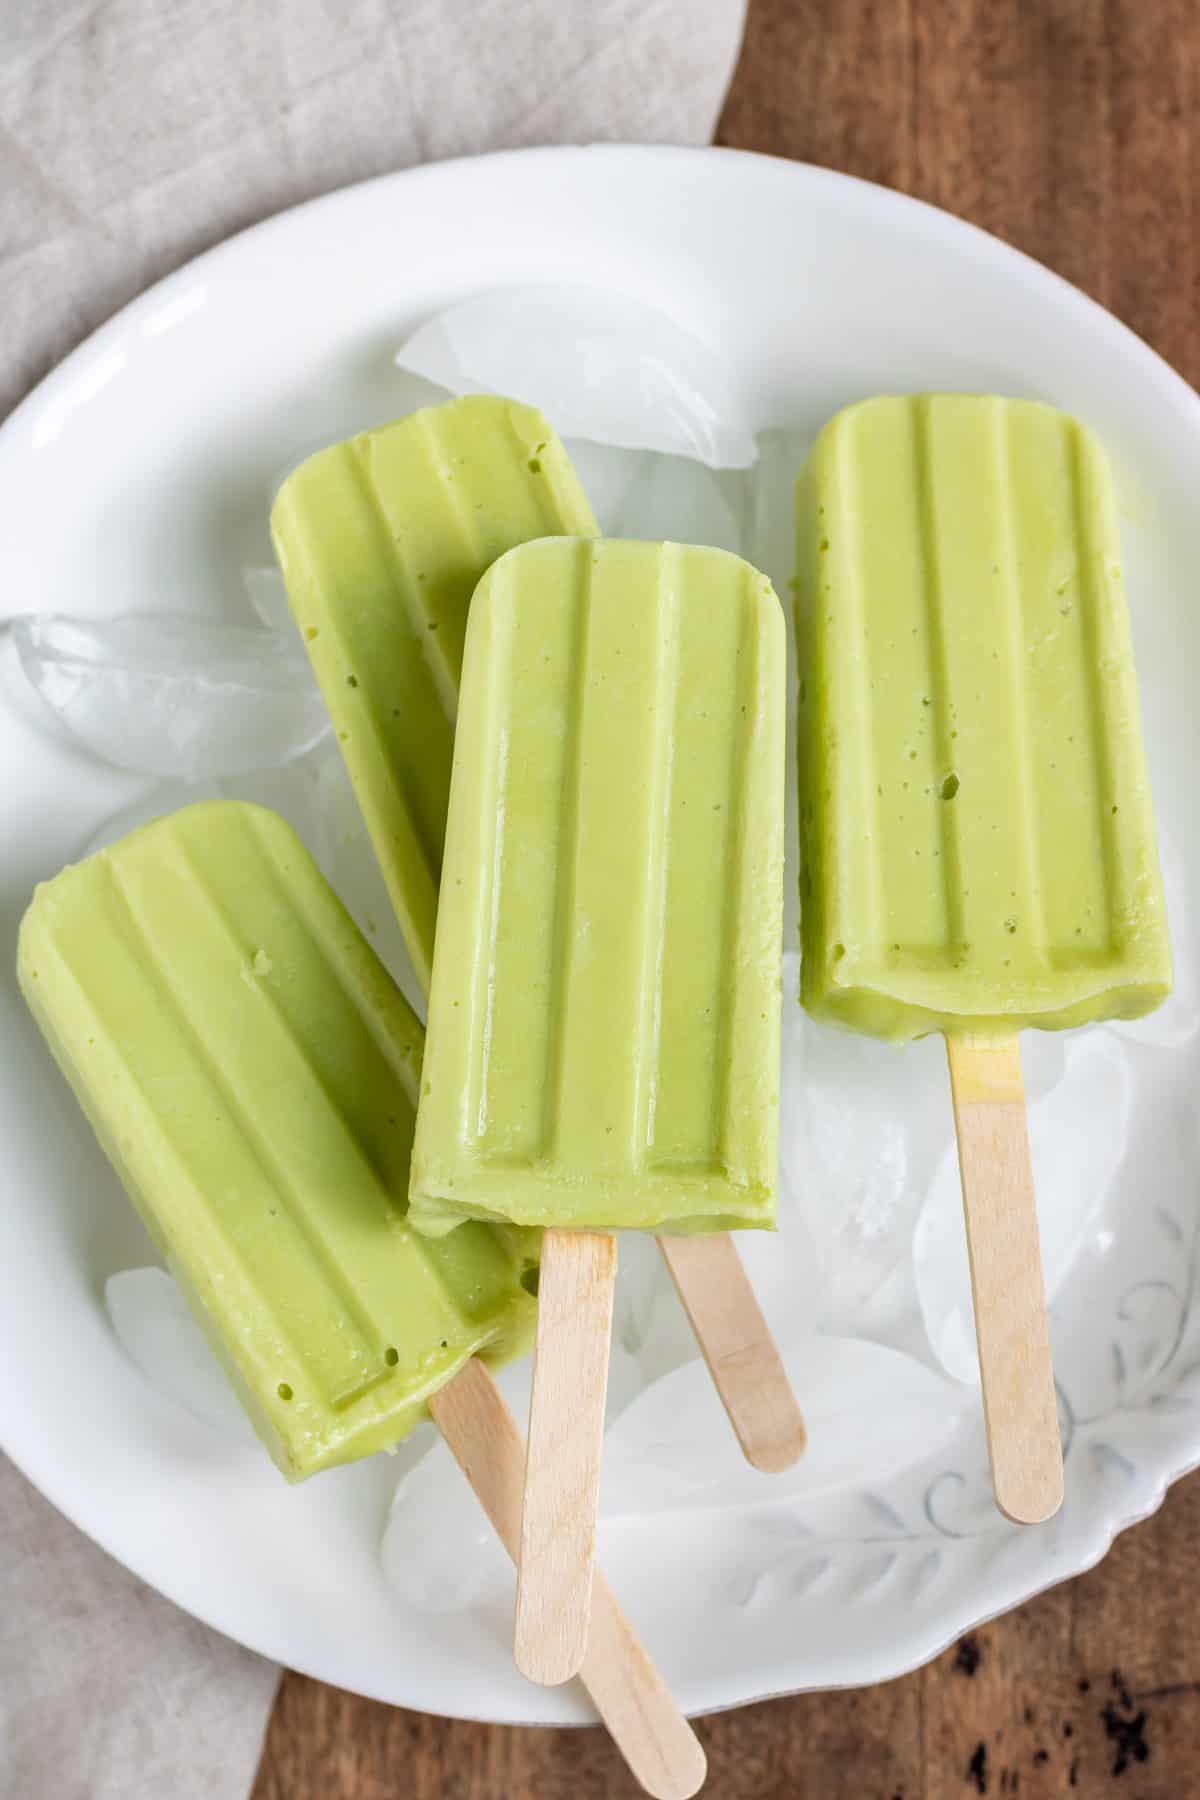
(977, 840)
(252, 1072)
(382, 540)
(603, 1037)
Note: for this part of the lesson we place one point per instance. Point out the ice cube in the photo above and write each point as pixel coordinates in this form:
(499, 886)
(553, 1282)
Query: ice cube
(644, 494)
(267, 594)
(771, 535)
(439, 1551)
(515, 1381)
(784, 1267)
(18, 698)
(625, 1382)
(863, 1125)
(159, 1335)
(342, 846)
(649, 1323)
(870, 1412)
(1078, 1130)
(600, 365)
(172, 695)
(641, 1278)
(294, 790)
(669, 1340)
(650, 1332)
(610, 477)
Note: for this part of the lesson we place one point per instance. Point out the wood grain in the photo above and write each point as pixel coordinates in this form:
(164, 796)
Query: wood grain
(742, 1356)
(562, 1470)
(1069, 128)
(1009, 1296)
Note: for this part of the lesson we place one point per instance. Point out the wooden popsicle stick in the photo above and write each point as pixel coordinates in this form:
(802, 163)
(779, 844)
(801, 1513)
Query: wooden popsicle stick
(562, 1459)
(647, 1727)
(742, 1356)
(1020, 1412)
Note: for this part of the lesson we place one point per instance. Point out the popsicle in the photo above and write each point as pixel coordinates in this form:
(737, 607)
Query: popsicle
(252, 1072)
(381, 541)
(978, 852)
(604, 1013)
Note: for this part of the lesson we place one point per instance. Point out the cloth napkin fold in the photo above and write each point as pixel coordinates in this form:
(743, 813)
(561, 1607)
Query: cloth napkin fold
(134, 134)
(107, 1691)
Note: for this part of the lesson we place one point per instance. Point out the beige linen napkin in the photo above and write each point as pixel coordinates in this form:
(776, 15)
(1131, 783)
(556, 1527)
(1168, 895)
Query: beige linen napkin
(133, 134)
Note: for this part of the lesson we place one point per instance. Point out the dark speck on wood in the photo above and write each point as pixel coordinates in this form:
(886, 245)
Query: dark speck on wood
(1126, 1730)
(968, 1656)
(977, 1769)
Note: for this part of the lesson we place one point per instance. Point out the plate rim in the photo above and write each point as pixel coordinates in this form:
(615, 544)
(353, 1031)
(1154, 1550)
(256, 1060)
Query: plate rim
(1166, 387)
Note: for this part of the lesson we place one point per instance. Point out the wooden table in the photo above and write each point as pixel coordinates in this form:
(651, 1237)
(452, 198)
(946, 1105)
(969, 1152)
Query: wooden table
(1072, 129)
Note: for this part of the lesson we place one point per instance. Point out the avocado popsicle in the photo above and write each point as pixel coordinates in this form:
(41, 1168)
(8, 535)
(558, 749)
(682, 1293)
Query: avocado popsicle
(980, 853)
(252, 1072)
(381, 541)
(603, 1020)
(977, 843)
(604, 1012)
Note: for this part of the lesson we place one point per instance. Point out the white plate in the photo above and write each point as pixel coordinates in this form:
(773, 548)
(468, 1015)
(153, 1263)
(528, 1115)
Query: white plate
(138, 475)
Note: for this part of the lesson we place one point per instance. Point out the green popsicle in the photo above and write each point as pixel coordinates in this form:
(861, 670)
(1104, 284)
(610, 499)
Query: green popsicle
(604, 1015)
(381, 541)
(603, 1023)
(252, 1072)
(977, 842)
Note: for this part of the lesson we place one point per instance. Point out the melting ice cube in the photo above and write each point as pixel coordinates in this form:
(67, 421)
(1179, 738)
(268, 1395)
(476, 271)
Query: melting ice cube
(863, 1124)
(267, 594)
(599, 365)
(160, 1336)
(644, 494)
(174, 695)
